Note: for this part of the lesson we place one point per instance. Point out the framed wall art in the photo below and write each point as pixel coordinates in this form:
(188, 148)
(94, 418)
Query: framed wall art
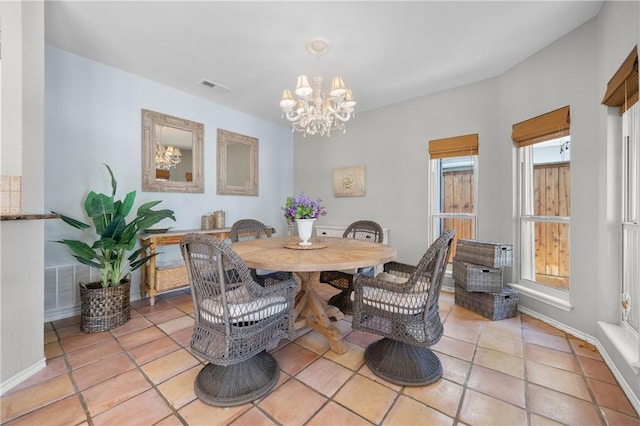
(349, 181)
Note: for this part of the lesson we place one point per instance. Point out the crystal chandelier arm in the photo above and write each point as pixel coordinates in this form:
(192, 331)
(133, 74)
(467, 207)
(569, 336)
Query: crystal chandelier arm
(342, 114)
(292, 115)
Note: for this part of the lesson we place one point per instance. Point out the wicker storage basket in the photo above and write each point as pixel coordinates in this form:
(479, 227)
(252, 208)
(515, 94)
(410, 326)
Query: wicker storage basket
(493, 255)
(495, 306)
(103, 308)
(477, 277)
(171, 276)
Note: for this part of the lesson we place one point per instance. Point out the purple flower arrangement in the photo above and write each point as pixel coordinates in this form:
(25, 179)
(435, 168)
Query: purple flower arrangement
(302, 207)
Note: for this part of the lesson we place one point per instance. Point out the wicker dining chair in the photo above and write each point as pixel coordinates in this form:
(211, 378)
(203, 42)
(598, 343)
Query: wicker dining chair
(343, 280)
(401, 304)
(251, 229)
(235, 321)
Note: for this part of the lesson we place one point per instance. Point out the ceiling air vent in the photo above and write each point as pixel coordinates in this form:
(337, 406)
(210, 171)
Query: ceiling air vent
(218, 88)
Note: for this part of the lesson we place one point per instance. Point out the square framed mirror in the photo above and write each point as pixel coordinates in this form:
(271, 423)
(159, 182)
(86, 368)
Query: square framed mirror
(237, 164)
(172, 153)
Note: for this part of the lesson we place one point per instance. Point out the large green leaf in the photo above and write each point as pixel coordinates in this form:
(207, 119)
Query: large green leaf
(114, 184)
(129, 236)
(114, 228)
(127, 204)
(152, 217)
(138, 263)
(70, 221)
(134, 255)
(147, 206)
(102, 205)
(88, 202)
(102, 210)
(89, 263)
(79, 248)
(106, 244)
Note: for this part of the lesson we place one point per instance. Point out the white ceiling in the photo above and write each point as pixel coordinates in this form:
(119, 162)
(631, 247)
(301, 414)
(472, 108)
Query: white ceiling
(386, 52)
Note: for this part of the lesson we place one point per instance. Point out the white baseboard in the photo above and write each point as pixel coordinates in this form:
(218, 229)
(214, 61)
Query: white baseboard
(22, 376)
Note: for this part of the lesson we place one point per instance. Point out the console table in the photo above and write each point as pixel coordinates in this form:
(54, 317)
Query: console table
(161, 278)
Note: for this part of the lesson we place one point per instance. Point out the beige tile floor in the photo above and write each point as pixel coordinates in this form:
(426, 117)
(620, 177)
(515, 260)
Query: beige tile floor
(517, 371)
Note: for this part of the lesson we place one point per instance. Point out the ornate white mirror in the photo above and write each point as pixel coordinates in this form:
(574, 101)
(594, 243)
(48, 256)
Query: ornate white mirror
(172, 153)
(237, 164)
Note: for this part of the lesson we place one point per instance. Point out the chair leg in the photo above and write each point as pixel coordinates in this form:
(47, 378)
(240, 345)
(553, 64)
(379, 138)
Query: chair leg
(343, 302)
(403, 364)
(237, 384)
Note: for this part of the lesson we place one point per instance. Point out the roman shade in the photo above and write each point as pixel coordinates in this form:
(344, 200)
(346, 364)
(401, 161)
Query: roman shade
(457, 146)
(552, 125)
(622, 89)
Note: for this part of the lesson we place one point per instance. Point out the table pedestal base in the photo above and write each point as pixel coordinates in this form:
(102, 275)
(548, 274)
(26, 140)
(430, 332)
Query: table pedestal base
(311, 311)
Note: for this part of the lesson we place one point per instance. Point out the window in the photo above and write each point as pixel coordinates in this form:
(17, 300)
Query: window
(622, 92)
(631, 212)
(544, 208)
(453, 177)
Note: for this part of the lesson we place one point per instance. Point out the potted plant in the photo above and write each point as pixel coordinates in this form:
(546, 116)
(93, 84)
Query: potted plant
(105, 304)
(304, 211)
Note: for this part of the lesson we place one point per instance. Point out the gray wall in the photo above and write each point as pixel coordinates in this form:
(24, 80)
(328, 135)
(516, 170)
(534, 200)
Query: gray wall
(392, 143)
(21, 300)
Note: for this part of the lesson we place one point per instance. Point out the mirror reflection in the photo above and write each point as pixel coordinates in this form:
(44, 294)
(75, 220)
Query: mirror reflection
(172, 153)
(239, 155)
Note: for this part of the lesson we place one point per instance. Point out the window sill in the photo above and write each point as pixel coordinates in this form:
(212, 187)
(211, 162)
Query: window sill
(626, 343)
(555, 298)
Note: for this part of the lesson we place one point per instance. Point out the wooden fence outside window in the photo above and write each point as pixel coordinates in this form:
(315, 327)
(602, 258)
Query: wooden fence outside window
(552, 189)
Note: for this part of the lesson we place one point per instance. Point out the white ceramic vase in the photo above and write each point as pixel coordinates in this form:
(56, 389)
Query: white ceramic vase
(305, 229)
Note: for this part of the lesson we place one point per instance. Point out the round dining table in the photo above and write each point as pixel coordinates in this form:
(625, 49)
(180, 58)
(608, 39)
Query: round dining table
(306, 263)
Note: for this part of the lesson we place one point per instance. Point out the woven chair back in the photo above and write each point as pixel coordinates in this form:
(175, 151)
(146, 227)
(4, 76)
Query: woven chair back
(433, 266)
(248, 229)
(364, 230)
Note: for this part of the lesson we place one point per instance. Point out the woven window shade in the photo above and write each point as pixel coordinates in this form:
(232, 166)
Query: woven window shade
(454, 147)
(552, 125)
(622, 89)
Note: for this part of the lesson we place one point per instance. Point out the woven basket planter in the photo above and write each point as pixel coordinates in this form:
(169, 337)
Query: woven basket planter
(103, 308)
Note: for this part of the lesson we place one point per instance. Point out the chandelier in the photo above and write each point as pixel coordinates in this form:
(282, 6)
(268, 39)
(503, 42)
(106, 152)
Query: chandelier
(316, 111)
(167, 157)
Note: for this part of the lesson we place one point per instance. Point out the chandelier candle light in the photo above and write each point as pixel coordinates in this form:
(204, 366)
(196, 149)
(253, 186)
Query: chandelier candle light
(167, 157)
(316, 111)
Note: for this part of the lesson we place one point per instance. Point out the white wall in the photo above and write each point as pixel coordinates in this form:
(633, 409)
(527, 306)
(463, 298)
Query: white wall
(21, 242)
(93, 116)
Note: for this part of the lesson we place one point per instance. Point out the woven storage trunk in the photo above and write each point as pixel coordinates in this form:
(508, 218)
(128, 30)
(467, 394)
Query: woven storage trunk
(493, 255)
(495, 306)
(103, 308)
(170, 276)
(477, 277)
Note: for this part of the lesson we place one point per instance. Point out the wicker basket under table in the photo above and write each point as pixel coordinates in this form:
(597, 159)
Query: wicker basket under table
(493, 255)
(495, 306)
(171, 276)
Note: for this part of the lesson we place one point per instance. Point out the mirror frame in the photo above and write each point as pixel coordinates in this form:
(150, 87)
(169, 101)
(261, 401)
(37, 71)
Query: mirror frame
(149, 182)
(223, 188)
